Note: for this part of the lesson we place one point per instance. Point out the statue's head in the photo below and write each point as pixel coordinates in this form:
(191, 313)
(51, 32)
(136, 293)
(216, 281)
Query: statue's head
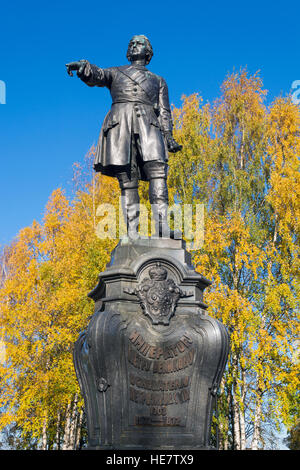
(139, 48)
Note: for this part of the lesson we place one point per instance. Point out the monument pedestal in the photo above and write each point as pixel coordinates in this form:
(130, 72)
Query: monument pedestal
(150, 361)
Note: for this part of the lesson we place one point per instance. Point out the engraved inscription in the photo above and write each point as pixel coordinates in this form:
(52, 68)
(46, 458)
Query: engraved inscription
(159, 398)
(158, 411)
(160, 367)
(154, 352)
(159, 379)
(174, 365)
(157, 421)
(158, 385)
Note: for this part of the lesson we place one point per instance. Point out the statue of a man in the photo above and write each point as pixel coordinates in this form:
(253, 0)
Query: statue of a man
(136, 134)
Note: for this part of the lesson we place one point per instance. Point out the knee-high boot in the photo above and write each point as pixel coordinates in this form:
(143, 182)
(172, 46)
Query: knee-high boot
(131, 211)
(158, 196)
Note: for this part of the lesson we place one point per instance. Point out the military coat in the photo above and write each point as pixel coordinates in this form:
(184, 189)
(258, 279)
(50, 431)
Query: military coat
(140, 105)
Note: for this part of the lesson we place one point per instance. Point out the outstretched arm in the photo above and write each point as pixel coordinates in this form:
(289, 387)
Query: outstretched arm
(90, 74)
(79, 66)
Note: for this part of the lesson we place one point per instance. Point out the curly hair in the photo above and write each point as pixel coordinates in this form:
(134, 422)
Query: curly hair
(149, 50)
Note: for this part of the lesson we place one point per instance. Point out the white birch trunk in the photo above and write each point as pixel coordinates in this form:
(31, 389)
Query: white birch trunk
(57, 435)
(44, 435)
(242, 412)
(236, 424)
(243, 430)
(235, 406)
(73, 425)
(257, 420)
(67, 428)
(78, 432)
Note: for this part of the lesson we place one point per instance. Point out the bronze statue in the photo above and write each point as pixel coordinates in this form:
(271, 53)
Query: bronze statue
(151, 360)
(136, 134)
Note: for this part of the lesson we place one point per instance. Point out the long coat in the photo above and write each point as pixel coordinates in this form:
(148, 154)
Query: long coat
(140, 105)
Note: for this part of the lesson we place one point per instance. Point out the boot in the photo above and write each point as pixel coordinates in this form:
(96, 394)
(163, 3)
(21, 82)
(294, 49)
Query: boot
(158, 196)
(160, 214)
(131, 211)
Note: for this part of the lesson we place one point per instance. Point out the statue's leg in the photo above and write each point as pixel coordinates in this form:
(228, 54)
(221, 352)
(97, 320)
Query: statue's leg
(130, 202)
(158, 195)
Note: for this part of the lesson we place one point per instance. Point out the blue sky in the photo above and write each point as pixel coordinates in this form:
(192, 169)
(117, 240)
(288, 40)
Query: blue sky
(50, 120)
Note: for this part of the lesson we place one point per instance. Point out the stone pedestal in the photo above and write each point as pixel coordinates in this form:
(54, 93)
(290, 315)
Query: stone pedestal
(150, 362)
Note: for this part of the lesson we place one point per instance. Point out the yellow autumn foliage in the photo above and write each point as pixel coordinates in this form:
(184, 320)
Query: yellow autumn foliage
(240, 158)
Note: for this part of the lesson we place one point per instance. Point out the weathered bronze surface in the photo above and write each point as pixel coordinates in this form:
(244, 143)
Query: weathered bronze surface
(151, 360)
(136, 134)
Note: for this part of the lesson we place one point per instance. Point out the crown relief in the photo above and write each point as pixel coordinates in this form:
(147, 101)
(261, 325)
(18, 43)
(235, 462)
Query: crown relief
(158, 296)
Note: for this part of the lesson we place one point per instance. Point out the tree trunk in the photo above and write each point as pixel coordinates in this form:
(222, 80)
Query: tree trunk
(67, 428)
(226, 439)
(44, 435)
(243, 430)
(224, 422)
(236, 423)
(275, 228)
(57, 435)
(78, 433)
(235, 406)
(242, 412)
(73, 425)
(257, 420)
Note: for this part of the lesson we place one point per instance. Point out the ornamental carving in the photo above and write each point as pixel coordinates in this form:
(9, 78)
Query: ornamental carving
(158, 295)
(102, 384)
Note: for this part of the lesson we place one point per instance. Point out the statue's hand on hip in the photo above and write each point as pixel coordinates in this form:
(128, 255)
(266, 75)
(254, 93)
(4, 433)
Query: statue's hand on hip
(79, 66)
(173, 146)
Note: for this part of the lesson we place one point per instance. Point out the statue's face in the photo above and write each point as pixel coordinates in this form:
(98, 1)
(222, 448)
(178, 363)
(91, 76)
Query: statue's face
(137, 48)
